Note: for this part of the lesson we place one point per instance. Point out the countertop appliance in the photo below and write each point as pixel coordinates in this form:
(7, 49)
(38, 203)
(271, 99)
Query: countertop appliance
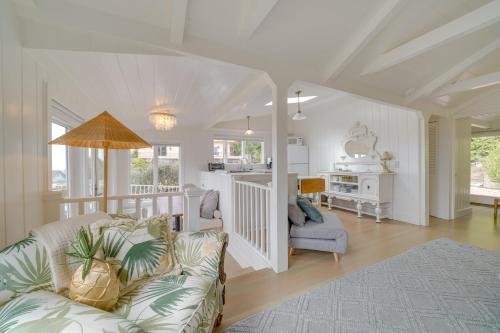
(215, 166)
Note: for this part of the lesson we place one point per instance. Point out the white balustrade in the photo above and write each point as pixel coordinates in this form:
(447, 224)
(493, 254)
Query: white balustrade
(140, 204)
(251, 209)
(149, 189)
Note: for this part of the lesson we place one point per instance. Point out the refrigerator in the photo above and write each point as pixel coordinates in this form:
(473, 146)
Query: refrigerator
(298, 159)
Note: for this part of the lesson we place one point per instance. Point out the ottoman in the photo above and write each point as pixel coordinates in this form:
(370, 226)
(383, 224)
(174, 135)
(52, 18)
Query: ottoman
(329, 236)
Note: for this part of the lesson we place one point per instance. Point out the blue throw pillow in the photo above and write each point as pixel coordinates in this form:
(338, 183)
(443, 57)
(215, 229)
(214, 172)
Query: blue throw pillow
(307, 207)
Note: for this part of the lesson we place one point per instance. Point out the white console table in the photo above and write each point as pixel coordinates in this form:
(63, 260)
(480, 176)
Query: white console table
(362, 192)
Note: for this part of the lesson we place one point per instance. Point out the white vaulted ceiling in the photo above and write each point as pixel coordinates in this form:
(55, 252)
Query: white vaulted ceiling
(128, 85)
(433, 55)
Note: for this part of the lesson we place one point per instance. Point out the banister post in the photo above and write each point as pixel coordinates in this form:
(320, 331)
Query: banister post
(278, 226)
(52, 206)
(192, 195)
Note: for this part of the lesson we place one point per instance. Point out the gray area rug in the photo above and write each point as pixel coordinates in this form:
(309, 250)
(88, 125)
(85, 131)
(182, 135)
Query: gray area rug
(440, 286)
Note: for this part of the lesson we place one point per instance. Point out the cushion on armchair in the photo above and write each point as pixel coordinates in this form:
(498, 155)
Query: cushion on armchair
(140, 249)
(43, 311)
(208, 204)
(174, 303)
(311, 212)
(199, 253)
(24, 267)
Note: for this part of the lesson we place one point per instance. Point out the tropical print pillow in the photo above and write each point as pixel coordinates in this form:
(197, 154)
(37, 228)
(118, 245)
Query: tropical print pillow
(172, 304)
(24, 267)
(43, 311)
(139, 249)
(199, 252)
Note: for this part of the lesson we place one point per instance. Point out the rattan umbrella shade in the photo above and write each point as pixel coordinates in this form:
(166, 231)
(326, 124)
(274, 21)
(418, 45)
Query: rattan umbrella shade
(101, 132)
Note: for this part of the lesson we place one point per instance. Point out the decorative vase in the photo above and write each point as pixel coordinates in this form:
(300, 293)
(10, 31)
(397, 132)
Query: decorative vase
(100, 288)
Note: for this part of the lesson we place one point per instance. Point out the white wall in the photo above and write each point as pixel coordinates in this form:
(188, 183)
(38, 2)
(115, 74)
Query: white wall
(26, 86)
(440, 195)
(461, 187)
(398, 130)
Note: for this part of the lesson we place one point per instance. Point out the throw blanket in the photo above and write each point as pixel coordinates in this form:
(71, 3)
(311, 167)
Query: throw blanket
(56, 237)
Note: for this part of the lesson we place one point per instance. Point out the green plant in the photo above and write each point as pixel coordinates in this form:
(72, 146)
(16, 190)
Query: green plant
(482, 146)
(493, 165)
(85, 248)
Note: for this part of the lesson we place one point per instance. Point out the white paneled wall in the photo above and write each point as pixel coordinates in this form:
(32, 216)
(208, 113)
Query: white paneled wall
(12, 205)
(26, 86)
(398, 130)
(462, 166)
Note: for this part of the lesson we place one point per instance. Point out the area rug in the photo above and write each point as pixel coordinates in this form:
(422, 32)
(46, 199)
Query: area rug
(440, 286)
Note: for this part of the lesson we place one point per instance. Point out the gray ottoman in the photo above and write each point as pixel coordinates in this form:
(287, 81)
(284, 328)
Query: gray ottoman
(329, 236)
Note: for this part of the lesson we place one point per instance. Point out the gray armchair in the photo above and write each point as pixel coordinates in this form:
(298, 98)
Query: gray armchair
(329, 236)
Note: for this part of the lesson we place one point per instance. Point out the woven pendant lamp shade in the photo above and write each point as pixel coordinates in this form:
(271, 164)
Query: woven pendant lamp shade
(105, 132)
(100, 132)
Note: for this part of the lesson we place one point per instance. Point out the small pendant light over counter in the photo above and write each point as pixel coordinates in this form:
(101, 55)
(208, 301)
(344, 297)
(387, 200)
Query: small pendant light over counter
(249, 131)
(299, 115)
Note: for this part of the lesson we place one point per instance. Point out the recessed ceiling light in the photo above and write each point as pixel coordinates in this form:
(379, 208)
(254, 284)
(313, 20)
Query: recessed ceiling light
(293, 100)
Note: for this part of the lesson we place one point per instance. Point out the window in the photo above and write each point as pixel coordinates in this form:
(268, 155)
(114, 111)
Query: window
(155, 169)
(485, 166)
(59, 160)
(237, 151)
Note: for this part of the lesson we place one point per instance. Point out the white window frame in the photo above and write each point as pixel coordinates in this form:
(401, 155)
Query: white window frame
(243, 141)
(62, 116)
(155, 147)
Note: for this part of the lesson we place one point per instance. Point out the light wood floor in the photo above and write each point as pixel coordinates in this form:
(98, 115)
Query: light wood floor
(369, 243)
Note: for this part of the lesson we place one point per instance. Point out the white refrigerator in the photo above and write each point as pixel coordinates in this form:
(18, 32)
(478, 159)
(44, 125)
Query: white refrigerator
(298, 160)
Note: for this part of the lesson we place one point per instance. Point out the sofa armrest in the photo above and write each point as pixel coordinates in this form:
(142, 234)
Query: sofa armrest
(202, 253)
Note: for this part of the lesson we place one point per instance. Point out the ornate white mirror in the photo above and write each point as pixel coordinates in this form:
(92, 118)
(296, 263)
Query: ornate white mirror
(360, 142)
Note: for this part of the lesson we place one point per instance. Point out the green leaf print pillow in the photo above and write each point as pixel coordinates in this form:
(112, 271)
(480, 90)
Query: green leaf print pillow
(24, 267)
(139, 250)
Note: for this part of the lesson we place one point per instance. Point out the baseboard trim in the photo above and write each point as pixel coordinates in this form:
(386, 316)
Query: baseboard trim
(463, 212)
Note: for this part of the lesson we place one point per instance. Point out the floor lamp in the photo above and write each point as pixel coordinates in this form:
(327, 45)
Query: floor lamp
(104, 132)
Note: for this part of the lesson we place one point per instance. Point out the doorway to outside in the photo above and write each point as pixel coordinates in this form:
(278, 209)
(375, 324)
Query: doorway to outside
(485, 168)
(156, 170)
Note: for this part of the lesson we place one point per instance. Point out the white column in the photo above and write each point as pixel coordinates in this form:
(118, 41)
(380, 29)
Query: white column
(278, 233)
(52, 206)
(192, 195)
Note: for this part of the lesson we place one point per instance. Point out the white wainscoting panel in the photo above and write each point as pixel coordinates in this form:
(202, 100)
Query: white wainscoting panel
(399, 131)
(462, 166)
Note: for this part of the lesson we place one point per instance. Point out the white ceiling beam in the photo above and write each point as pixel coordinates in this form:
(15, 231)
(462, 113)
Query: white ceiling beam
(247, 89)
(482, 81)
(253, 17)
(480, 123)
(178, 21)
(440, 80)
(478, 19)
(362, 37)
(484, 104)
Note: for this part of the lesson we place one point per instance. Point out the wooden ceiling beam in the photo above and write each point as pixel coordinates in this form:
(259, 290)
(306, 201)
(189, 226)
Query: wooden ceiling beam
(253, 17)
(443, 78)
(480, 18)
(178, 21)
(482, 81)
(362, 37)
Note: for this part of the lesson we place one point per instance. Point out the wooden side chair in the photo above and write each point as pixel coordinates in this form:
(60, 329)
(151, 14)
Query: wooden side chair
(495, 209)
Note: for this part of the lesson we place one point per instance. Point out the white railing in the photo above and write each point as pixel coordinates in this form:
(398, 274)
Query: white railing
(149, 189)
(251, 207)
(186, 202)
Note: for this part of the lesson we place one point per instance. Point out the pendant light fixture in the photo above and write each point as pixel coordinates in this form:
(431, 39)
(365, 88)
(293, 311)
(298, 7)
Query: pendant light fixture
(299, 115)
(161, 116)
(249, 131)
